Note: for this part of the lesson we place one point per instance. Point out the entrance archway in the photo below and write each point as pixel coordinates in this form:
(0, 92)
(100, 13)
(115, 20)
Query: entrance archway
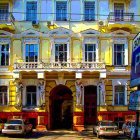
(90, 105)
(61, 108)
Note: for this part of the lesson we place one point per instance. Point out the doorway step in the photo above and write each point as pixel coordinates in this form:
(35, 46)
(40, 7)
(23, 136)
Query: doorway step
(41, 128)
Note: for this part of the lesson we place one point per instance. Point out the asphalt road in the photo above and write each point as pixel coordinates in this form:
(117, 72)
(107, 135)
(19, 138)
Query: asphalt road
(60, 135)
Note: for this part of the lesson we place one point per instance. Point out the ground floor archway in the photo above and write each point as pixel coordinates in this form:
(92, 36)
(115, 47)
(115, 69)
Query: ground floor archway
(61, 108)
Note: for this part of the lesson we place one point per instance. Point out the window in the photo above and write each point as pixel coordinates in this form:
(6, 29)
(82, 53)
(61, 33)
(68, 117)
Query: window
(61, 11)
(4, 58)
(3, 11)
(31, 52)
(119, 10)
(90, 52)
(90, 11)
(31, 11)
(119, 95)
(61, 52)
(119, 54)
(3, 95)
(31, 95)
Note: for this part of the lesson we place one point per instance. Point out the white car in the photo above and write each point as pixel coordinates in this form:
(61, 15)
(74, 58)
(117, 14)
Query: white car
(129, 129)
(16, 126)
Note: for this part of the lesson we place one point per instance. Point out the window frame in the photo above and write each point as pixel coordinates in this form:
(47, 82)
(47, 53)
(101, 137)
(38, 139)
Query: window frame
(3, 104)
(118, 95)
(120, 41)
(90, 10)
(31, 93)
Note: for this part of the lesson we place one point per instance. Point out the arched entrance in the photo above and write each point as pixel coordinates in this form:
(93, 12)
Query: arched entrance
(61, 108)
(90, 105)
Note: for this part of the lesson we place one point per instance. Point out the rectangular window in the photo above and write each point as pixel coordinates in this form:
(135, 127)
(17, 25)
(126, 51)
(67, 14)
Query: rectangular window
(31, 95)
(119, 95)
(61, 11)
(31, 52)
(4, 48)
(4, 12)
(61, 52)
(3, 95)
(31, 11)
(118, 10)
(89, 11)
(90, 52)
(119, 54)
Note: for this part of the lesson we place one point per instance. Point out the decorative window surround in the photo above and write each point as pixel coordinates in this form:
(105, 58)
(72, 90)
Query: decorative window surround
(120, 41)
(30, 41)
(116, 82)
(30, 83)
(116, 1)
(60, 41)
(95, 41)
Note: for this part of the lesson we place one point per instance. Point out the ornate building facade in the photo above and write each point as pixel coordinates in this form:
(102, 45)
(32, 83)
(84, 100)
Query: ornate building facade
(66, 64)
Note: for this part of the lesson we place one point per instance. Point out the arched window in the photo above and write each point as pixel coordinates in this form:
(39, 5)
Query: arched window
(119, 95)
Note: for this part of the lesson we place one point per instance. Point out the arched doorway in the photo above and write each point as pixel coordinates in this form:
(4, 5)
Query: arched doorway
(90, 105)
(61, 108)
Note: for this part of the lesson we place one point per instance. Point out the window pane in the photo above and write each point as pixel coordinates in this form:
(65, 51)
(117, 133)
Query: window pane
(5, 99)
(7, 47)
(85, 47)
(90, 47)
(36, 48)
(85, 56)
(3, 88)
(121, 98)
(60, 47)
(89, 57)
(31, 88)
(116, 99)
(27, 47)
(119, 88)
(33, 99)
(65, 47)
(3, 47)
(2, 59)
(1, 98)
(28, 99)
(31, 48)
(7, 58)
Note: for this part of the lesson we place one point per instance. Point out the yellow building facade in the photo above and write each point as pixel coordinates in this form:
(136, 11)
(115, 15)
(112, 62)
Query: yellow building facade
(67, 64)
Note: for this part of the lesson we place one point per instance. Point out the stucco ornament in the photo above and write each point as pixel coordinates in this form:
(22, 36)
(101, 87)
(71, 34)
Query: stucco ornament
(41, 87)
(79, 92)
(19, 87)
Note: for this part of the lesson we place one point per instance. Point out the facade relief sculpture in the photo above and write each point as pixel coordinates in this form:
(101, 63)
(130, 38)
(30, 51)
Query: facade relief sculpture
(79, 92)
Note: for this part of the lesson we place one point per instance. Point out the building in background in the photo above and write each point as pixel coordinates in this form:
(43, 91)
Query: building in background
(66, 64)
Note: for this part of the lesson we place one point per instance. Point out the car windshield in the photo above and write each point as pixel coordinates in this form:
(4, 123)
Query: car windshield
(14, 122)
(108, 124)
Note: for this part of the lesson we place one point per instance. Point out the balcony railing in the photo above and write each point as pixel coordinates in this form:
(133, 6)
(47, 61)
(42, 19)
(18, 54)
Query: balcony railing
(59, 65)
(6, 17)
(127, 17)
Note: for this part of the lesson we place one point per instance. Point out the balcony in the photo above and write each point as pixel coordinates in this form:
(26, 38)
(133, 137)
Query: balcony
(6, 21)
(58, 66)
(121, 17)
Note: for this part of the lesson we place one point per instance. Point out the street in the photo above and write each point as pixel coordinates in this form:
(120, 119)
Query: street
(60, 135)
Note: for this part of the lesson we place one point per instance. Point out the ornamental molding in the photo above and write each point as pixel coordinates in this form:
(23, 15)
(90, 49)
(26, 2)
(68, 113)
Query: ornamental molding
(30, 33)
(90, 32)
(5, 40)
(60, 32)
(31, 40)
(5, 34)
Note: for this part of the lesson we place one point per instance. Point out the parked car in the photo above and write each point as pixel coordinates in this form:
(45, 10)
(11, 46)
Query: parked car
(129, 129)
(1, 124)
(106, 128)
(16, 126)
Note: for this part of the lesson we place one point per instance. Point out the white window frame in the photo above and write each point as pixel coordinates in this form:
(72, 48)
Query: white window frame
(90, 41)
(68, 4)
(60, 41)
(25, 7)
(120, 41)
(83, 10)
(118, 94)
(117, 82)
(30, 41)
(121, 3)
(5, 41)
(94, 10)
(31, 96)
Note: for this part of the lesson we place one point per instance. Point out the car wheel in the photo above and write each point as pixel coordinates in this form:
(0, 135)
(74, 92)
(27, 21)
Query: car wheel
(132, 136)
(98, 136)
